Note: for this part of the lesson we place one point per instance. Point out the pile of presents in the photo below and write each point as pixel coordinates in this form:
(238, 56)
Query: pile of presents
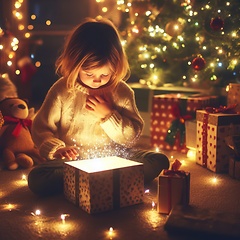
(180, 122)
(177, 121)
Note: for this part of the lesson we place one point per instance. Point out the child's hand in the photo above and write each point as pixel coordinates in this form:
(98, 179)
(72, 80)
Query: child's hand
(69, 153)
(99, 106)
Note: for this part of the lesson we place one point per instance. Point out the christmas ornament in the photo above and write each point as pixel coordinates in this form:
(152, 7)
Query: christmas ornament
(198, 63)
(174, 28)
(216, 24)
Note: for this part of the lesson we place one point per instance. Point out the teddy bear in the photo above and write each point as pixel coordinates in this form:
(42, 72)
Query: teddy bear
(17, 148)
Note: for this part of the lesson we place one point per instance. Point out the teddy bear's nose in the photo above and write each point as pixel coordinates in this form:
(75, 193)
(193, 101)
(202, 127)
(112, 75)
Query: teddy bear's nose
(21, 106)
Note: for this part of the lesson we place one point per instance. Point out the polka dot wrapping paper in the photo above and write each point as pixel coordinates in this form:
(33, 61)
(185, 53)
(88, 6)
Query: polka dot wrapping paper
(212, 129)
(103, 184)
(168, 116)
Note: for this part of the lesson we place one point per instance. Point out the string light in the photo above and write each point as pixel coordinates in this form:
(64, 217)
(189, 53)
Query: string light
(24, 177)
(111, 233)
(153, 205)
(64, 216)
(191, 18)
(214, 180)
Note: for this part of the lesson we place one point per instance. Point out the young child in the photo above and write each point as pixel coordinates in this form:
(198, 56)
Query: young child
(90, 111)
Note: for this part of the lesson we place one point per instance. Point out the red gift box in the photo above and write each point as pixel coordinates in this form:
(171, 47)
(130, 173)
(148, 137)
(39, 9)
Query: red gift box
(173, 189)
(168, 116)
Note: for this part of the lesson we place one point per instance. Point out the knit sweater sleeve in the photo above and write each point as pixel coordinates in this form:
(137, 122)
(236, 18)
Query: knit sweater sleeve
(124, 126)
(45, 125)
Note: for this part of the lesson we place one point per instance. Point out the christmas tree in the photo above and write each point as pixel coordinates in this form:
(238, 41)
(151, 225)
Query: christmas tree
(191, 43)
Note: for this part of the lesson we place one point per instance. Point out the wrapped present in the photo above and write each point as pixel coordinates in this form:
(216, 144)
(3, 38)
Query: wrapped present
(103, 184)
(233, 96)
(168, 116)
(198, 223)
(213, 126)
(173, 188)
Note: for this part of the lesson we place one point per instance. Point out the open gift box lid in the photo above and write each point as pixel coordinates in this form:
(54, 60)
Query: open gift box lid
(102, 164)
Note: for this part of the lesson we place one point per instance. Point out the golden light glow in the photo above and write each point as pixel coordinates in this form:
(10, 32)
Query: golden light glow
(9, 63)
(111, 233)
(48, 22)
(104, 9)
(30, 27)
(214, 180)
(9, 207)
(27, 35)
(17, 4)
(33, 16)
(63, 217)
(153, 205)
(191, 154)
(36, 213)
(37, 64)
(24, 177)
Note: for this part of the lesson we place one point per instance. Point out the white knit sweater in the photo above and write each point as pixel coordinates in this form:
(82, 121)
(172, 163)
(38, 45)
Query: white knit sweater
(63, 120)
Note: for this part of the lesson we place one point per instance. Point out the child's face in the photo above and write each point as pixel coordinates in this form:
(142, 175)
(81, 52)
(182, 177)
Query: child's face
(95, 77)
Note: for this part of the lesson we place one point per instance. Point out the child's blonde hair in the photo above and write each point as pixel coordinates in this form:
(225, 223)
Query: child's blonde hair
(93, 43)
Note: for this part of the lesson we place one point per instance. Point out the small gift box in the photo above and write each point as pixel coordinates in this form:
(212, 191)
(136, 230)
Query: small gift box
(213, 126)
(102, 184)
(173, 188)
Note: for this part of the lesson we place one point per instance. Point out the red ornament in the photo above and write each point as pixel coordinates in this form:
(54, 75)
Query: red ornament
(216, 24)
(198, 63)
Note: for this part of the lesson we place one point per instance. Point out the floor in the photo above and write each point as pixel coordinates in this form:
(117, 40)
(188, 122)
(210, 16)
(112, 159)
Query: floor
(215, 196)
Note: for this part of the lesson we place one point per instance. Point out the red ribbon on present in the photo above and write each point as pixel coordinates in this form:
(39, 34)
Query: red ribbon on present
(20, 124)
(176, 111)
(174, 169)
(222, 109)
(177, 127)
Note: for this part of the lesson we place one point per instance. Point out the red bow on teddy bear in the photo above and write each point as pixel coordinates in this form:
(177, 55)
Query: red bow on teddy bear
(20, 123)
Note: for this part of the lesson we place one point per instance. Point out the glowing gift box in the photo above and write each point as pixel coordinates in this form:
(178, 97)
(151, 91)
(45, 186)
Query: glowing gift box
(173, 189)
(102, 184)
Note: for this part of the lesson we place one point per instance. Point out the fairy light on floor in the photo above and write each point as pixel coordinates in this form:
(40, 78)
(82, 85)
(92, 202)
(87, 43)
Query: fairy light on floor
(153, 205)
(9, 207)
(36, 213)
(214, 180)
(183, 162)
(191, 154)
(153, 218)
(24, 177)
(110, 232)
(63, 217)
(147, 191)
